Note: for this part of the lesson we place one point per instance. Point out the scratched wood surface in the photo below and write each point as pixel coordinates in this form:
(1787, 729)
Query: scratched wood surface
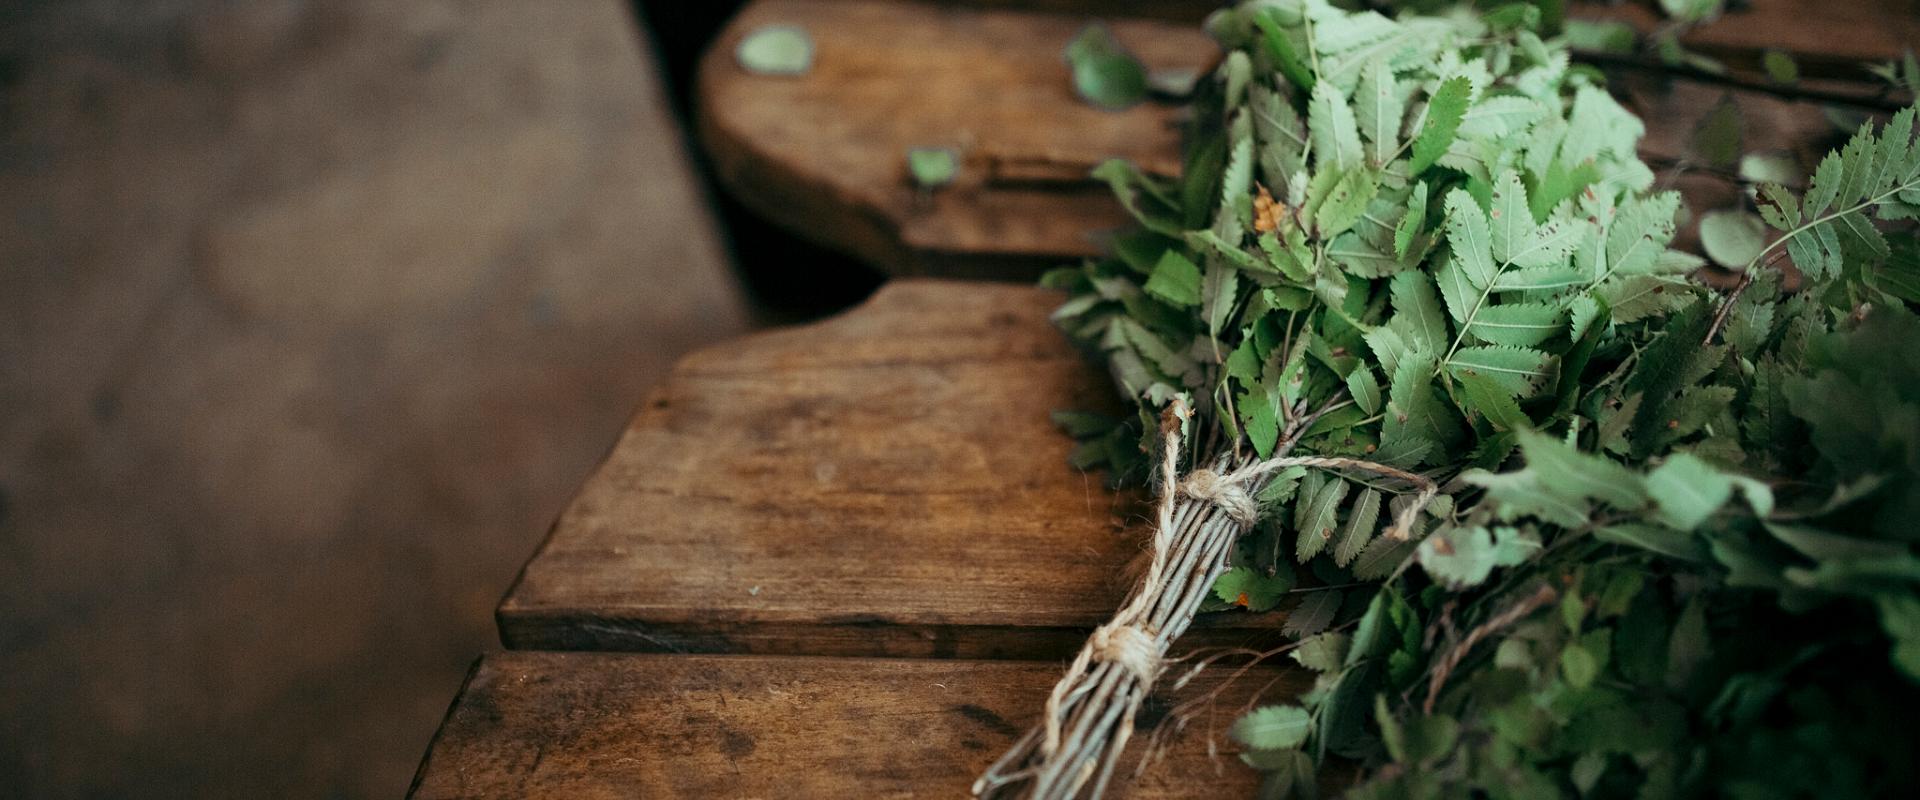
(884, 483)
(1827, 37)
(582, 726)
(824, 154)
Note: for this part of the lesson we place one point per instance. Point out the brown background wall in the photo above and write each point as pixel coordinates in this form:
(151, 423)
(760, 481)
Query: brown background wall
(312, 314)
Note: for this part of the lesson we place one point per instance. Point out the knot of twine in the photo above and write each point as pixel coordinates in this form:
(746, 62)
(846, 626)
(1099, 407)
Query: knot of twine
(1129, 646)
(1223, 491)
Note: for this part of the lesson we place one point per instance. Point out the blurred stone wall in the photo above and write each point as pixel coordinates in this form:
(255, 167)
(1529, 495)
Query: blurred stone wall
(312, 315)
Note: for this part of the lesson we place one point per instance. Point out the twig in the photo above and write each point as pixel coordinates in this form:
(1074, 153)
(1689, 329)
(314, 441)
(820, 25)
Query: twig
(1544, 595)
(1798, 93)
(1726, 307)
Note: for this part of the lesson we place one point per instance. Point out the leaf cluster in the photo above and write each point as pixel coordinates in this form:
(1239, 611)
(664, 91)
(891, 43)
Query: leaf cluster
(1427, 242)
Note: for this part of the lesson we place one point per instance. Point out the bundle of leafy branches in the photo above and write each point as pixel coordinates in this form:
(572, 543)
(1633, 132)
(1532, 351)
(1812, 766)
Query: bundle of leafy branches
(1672, 550)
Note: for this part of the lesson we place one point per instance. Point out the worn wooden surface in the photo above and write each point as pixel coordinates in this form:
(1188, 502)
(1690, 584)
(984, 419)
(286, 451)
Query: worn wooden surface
(586, 725)
(1827, 37)
(884, 483)
(824, 154)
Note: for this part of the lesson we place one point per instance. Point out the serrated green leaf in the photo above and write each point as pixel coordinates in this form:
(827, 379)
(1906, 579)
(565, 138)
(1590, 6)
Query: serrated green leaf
(1333, 130)
(1523, 324)
(1510, 219)
(1379, 108)
(1324, 652)
(1272, 728)
(1540, 279)
(1175, 279)
(1251, 589)
(1417, 311)
(1470, 239)
(1314, 614)
(1359, 528)
(1445, 109)
(1364, 390)
(1489, 400)
(1381, 557)
(1317, 519)
(1516, 370)
(1346, 202)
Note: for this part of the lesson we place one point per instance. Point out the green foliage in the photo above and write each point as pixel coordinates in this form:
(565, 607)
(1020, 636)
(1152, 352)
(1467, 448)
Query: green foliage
(1104, 73)
(1428, 244)
(932, 167)
(776, 50)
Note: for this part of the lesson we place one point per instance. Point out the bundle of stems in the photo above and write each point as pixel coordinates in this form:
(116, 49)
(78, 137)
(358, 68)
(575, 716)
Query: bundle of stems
(1089, 717)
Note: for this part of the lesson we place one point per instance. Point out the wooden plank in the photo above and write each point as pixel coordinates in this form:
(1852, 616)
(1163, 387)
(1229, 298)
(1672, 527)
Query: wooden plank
(887, 482)
(1828, 38)
(825, 154)
(586, 725)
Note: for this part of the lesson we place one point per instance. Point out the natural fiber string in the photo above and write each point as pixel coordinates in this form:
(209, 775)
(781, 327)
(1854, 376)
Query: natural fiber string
(1130, 642)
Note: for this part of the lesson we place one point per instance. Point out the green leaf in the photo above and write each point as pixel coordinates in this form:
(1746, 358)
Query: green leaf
(1284, 56)
(1314, 614)
(1516, 370)
(1324, 652)
(1316, 519)
(1104, 73)
(1445, 109)
(1511, 219)
(1540, 279)
(1600, 36)
(1686, 491)
(1470, 239)
(1359, 529)
(1425, 325)
(1493, 402)
(1253, 590)
(1732, 238)
(1584, 475)
(1464, 557)
(1382, 556)
(1717, 139)
(1260, 419)
(1579, 666)
(1335, 133)
(1343, 206)
(932, 167)
(1364, 390)
(1380, 106)
(1776, 168)
(1665, 541)
(1272, 727)
(1522, 324)
(776, 50)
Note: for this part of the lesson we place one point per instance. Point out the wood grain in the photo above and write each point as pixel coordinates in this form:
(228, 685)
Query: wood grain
(825, 154)
(1829, 38)
(884, 483)
(593, 725)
